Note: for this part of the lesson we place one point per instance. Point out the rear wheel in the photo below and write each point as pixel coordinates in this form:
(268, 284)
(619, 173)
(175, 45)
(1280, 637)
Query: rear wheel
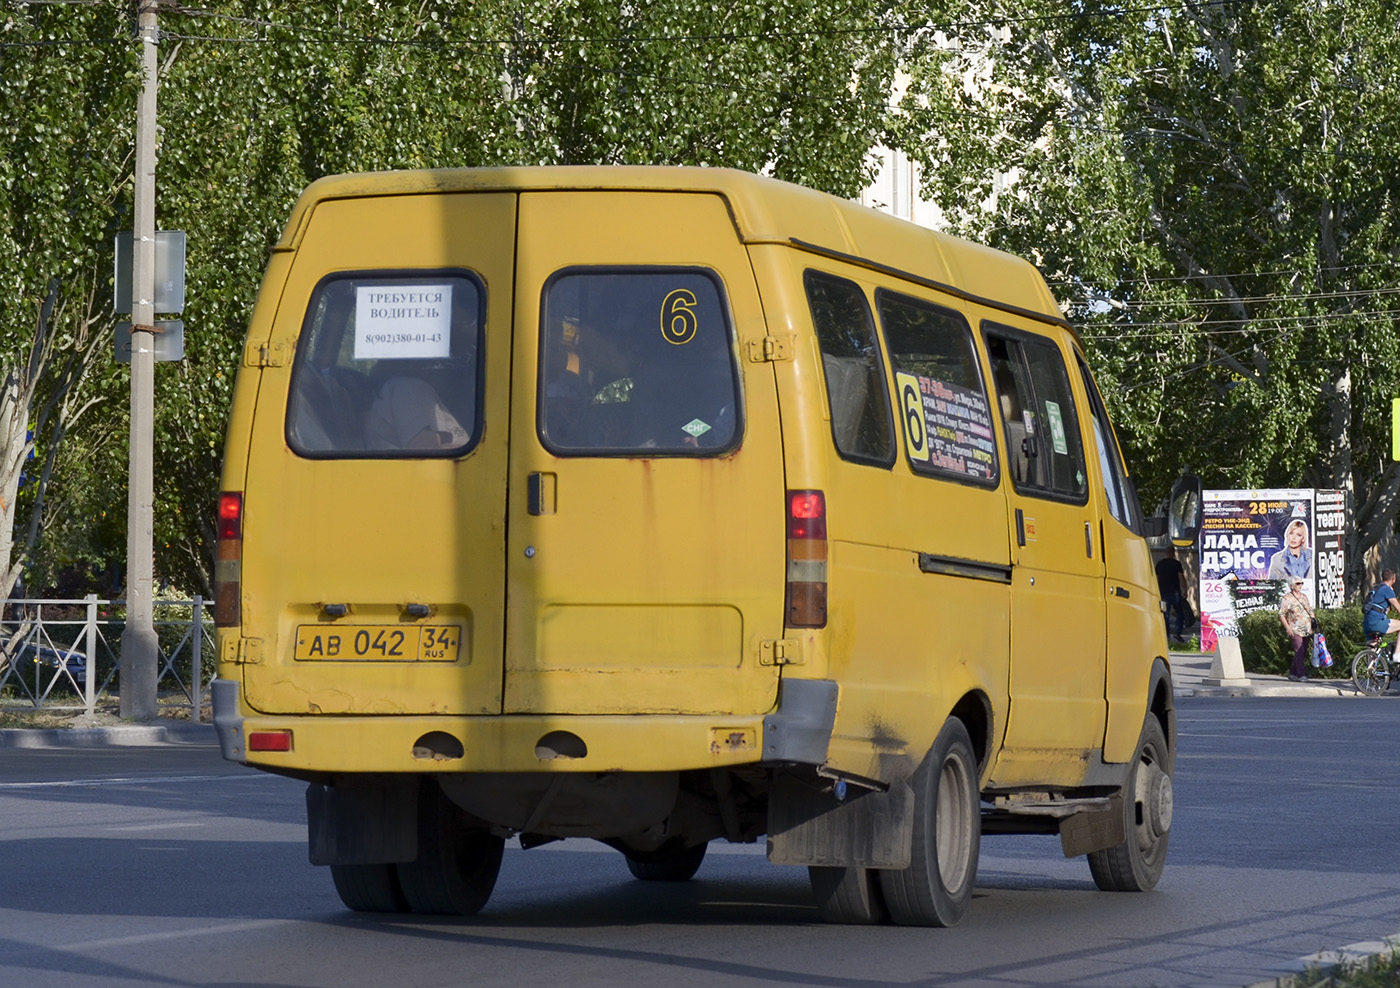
(936, 888)
(1370, 672)
(679, 866)
(1136, 864)
(848, 895)
(457, 863)
(369, 888)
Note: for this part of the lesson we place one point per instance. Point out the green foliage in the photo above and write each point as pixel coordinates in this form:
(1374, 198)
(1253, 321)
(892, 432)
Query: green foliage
(64, 156)
(1213, 190)
(260, 97)
(1265, 647)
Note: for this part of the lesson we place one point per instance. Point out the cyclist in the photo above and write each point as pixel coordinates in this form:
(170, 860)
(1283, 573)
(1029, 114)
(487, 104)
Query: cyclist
(1377, 620)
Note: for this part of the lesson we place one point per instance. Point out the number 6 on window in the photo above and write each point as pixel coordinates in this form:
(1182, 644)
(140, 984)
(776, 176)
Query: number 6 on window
(911, 405)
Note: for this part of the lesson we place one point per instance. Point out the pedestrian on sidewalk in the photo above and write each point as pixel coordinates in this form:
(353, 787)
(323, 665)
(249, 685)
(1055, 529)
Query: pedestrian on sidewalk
(1296, 615)
(1171, 584)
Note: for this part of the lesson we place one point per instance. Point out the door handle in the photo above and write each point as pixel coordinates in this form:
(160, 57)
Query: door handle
(1121, 592)
(1088, 540)
(540, 493)
(1020, 528)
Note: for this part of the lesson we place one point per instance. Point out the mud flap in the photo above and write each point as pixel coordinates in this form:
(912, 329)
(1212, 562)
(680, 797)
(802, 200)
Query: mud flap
(1094, 829)
(808, 826)
(363, 822)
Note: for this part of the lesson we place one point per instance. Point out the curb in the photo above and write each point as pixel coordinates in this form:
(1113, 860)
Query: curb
(1272, 689)
(125, 735)
(1318, 969)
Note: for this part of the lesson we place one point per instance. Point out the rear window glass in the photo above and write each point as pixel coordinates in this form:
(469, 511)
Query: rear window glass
(387, 366)
(637, 361)
(940, 397)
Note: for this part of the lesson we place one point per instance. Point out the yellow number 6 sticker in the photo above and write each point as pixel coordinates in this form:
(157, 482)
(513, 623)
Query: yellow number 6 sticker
(678, 319)
(911, 404)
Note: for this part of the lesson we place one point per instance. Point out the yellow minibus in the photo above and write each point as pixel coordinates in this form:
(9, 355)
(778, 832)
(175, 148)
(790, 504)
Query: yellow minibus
(660, 506)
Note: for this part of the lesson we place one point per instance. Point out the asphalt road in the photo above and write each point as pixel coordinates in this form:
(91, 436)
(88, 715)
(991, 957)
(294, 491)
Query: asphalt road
(165, 866)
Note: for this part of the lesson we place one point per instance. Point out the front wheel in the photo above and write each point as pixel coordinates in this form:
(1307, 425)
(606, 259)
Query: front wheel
(1370, 672)
(1136, 864)
(936, 888)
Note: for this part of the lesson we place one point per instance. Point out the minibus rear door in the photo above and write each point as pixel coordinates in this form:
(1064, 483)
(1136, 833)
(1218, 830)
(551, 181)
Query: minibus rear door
(645, 558)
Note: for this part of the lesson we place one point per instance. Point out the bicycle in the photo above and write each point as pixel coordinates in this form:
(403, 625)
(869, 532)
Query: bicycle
(1373, 666)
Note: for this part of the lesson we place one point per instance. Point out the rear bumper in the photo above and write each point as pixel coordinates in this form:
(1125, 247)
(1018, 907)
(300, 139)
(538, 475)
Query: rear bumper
(799, 731)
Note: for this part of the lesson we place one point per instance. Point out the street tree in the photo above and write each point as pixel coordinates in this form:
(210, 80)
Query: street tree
(1212, 188)
(64, 162)
(260, 97)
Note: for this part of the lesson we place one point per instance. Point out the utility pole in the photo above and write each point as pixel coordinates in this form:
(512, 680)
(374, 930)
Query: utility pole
(139, 647)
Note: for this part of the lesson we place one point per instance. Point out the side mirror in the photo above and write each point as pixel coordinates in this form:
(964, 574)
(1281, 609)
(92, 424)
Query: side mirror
(1184, 511)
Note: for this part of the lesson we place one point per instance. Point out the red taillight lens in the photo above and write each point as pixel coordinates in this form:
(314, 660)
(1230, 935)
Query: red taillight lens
(806, 559)
(230, 515)
(806, 515)
(269, 740)
(228, 560)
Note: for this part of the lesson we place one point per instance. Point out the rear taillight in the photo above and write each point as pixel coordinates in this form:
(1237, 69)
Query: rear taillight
(228, 560)
(269, 740)
(806, 559)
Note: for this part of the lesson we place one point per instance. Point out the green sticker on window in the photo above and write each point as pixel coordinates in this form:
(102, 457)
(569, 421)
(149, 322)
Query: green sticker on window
(1057, 428)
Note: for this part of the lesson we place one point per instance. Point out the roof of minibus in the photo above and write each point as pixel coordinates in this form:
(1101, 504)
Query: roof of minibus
(765, 210)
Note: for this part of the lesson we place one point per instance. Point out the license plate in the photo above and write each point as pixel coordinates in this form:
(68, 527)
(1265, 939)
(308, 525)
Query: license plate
(379, 642)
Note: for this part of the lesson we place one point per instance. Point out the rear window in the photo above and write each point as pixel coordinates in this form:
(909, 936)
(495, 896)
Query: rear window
(387, 366)
(637, 361)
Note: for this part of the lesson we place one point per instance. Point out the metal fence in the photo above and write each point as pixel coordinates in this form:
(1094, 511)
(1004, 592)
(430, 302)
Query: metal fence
(65, 655)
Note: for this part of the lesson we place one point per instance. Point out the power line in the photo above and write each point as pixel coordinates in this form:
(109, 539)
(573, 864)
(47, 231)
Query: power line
(1272, 324)
(1201, 303)
(1208, 276)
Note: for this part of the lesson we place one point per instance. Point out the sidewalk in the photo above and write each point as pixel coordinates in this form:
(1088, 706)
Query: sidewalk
(1190, 668)
(161, 731)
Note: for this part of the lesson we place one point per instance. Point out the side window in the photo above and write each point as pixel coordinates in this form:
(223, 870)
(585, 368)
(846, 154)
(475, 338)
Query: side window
(1122, 502)
(386, 365)
(638, 359)
(1038, 414)
(855, 376)
(940, 398)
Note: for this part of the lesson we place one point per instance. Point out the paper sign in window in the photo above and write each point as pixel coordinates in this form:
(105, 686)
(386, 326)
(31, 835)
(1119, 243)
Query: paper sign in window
(395, 322)
(1057, 428)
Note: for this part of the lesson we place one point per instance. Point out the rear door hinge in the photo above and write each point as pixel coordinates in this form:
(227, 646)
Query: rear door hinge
(265, 355)
(771, 348)
(250, 651)
(783, 652)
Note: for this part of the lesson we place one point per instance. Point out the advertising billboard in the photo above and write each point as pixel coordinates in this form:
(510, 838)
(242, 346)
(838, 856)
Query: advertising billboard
(1253, 541)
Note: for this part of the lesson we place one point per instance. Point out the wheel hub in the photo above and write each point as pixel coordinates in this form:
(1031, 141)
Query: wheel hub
(1156, 799)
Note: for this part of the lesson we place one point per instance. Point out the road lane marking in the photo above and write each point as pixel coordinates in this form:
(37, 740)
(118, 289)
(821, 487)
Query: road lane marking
(135, 780)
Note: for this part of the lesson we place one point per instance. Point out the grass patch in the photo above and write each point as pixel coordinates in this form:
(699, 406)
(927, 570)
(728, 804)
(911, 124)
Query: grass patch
(1382, 971)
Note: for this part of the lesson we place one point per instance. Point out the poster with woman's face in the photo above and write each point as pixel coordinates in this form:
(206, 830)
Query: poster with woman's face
(1257, 535)
(1252, 543)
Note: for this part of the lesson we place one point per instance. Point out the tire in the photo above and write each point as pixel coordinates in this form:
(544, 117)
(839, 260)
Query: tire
(848, 895)
(936, 888)
(1136, 864)
(456, 868)
(369, 888)
(680, 866)
(1370, 672)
